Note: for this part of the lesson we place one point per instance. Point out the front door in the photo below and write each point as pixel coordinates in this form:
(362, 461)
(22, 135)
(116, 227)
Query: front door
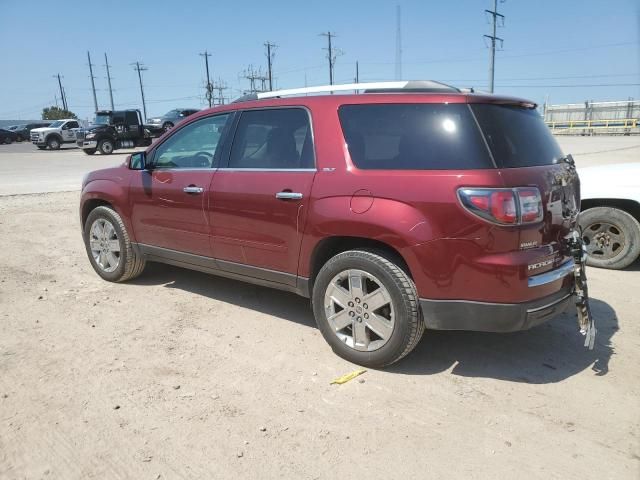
(259, 202)
(68, 132)
(169, 200)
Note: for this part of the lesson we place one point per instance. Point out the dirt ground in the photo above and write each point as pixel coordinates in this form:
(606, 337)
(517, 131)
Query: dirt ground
(183, 375)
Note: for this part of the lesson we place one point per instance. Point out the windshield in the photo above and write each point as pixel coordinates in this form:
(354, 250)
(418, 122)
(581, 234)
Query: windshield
(172, 113)
(57, 123)
(517, 136)
(102, 119)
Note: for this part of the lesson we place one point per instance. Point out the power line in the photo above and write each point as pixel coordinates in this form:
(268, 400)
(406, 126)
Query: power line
(257, 81)
(209, 87)
(140, 69)
(493, 38)
(93, 85)
(106, 64)
(270, 54)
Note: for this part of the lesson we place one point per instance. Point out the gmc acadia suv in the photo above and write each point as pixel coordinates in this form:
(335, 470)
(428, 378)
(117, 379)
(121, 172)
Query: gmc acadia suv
(394, 210)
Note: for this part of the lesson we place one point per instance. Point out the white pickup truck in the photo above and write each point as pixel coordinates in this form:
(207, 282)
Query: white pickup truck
(610, 214)
(56, 134)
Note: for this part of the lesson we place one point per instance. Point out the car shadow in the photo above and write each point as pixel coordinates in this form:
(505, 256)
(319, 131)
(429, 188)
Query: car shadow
(548, 353)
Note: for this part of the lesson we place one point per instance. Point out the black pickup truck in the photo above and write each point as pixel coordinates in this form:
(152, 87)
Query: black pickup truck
(112, 130)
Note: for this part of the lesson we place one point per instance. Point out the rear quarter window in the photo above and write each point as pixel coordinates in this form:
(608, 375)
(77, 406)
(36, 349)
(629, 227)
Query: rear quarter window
(413, 137)
(517, 136)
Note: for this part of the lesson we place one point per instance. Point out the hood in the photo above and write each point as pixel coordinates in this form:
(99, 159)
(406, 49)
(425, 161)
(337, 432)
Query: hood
(96, 128)
(43, 129)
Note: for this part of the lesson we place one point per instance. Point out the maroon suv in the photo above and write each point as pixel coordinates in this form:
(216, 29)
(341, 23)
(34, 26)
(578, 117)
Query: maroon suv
(394, 210)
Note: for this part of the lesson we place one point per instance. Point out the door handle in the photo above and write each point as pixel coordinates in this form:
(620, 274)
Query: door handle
(192, 189)
(289, 196)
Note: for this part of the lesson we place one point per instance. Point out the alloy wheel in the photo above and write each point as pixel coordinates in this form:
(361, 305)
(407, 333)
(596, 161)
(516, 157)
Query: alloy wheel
(104, 245)
(360, 310)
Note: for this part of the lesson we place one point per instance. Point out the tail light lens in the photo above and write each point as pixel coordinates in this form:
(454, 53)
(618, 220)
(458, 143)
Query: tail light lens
(504, 206)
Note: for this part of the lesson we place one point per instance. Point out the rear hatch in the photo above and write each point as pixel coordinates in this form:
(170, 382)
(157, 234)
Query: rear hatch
(527, 155)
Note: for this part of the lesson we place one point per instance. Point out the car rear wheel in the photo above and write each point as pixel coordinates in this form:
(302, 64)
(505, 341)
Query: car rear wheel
(367, 308)
(611, 237)
(108, 246)
(167, 126)
(53, 143)
(106, 147)
(7, 140)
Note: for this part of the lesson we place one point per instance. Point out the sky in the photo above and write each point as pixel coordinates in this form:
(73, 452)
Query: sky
(562, 51)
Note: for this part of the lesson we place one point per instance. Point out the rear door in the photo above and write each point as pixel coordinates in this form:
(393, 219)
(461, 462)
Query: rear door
(527, 154)
(169, 200)
(259, 201)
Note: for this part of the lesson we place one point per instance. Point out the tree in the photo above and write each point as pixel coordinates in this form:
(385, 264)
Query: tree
(56, 113)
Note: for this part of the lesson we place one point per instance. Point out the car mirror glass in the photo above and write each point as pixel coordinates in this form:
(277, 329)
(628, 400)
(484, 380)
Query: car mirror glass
(137, 161)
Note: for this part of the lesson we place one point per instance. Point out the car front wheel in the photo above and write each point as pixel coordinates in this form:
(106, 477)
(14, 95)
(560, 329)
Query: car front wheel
(108, 246)
(367, 308)
(611, 237)
(53, 143)
(106, 147)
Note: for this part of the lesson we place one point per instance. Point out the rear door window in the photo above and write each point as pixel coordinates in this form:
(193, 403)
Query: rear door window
(413, 137)
(275, 138)
(517, 136)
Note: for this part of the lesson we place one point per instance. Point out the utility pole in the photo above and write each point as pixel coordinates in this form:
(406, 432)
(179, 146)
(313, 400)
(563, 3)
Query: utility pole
(493, 39)
(137, 67)
(357, 79)
(254, 76)
(220, 86)
(332, 54)
(270, 54)
(106, 64)
(398, 45)
(63, 98)
(93, 84)
(209, 86)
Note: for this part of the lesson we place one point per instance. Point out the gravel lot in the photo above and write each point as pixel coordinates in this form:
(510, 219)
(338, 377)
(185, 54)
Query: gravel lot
(183, 375)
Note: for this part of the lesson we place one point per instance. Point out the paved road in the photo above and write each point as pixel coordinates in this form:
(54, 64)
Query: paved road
(25, 169)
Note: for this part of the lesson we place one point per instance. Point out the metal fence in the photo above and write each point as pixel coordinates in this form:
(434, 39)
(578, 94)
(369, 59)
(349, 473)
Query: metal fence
(594, 118)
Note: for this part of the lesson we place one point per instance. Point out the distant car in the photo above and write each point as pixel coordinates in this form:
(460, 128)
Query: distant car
(56, 134)
(24, 131)
(610, 216)
(7, 136)
(169, 119)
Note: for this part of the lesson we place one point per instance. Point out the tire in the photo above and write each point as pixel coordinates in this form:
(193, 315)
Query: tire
(7, 140)
(106, 147)
(89, 151)
(19, 138)
(54, 143)
(406, 328)
(611, 236)
(129, 263)
(42, 147)
(167, 126)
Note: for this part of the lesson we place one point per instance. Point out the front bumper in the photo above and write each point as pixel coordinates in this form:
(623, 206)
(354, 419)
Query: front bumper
(86, 144)
(493, 317)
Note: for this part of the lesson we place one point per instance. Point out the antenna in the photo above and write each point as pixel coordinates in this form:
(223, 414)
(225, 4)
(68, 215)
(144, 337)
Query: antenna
(398, 44)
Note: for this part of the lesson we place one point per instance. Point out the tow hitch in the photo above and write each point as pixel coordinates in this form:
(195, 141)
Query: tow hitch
(585, 319)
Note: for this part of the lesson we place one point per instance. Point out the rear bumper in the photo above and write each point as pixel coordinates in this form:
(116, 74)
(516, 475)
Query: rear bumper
(493, 317)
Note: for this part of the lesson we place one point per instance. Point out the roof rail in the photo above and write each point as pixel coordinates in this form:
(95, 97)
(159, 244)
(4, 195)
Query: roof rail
(420, 86)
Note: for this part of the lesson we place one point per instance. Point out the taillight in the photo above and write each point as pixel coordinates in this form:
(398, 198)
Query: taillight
(505, 206)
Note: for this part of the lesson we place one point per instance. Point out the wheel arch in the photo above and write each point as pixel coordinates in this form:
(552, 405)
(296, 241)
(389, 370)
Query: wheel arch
(54, 134)
(331, 246)
(632, 207)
